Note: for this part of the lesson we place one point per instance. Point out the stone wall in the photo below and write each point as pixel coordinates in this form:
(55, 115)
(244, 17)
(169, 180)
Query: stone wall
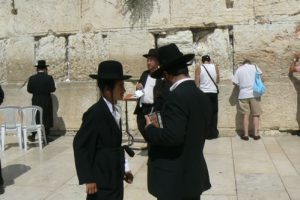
(75, 35)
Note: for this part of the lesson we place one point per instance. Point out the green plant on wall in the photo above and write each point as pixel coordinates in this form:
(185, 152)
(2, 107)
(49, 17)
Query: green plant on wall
(139, 10)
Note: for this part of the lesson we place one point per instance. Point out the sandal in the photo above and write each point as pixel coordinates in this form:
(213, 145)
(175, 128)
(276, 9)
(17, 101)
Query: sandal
(244, 137)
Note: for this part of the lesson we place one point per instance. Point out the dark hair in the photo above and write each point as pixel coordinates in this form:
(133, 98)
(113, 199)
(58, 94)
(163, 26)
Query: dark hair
(106, 84)
(246, 61)
(205, 58)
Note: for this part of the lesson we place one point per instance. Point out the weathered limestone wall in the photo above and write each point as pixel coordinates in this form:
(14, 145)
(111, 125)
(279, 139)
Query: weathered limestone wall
(75, 35)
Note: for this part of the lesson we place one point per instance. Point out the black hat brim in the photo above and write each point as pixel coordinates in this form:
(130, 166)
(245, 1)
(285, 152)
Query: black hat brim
(183, 59)
(150, 55)
(96, 76)
(39, 66)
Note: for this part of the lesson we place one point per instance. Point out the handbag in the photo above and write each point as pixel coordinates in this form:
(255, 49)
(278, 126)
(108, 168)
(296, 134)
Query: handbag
(258, 88)
(211, 79)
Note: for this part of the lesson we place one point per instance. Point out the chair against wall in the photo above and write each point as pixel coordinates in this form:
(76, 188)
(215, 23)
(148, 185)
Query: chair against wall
(10, 123)
(29, 124)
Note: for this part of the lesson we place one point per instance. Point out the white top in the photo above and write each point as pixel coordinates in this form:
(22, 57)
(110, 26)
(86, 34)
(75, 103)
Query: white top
(244, 77)
(206, 84)
(117, 116)
(148, 90)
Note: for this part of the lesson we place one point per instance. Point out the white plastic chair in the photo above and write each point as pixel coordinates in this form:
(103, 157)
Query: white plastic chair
(10, 119)
(29, 124)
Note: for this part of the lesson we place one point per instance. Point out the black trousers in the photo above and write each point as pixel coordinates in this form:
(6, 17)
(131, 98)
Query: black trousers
(214, 132)
(1, 178)
(141, 123)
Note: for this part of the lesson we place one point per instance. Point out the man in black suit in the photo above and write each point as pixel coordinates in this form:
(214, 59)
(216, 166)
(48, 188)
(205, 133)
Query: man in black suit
(41, 85)
(99, 157)
(146, 83)
(1, 95)
(176, 166)
(1, 178)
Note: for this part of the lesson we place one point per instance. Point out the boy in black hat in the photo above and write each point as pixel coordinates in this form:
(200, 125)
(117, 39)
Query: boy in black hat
(176, 166)
(41, 85)
(99, 156)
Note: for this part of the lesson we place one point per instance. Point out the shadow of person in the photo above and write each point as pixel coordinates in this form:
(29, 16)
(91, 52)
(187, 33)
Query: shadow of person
(59, 128)
(233, 100)
(11, 172)
(296, 83)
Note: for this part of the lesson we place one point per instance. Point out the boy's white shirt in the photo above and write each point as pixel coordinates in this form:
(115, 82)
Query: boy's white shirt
(116, 114)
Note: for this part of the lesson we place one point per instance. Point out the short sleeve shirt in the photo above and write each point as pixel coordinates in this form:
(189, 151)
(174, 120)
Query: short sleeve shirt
(244, 77)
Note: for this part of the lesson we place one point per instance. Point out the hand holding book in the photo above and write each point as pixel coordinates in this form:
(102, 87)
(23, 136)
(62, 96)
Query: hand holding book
(155, 119)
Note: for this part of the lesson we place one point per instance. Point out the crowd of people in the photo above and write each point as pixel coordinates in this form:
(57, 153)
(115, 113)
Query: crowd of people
(188, 115)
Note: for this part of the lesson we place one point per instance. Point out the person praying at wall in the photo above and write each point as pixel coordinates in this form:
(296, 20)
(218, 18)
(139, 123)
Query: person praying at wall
(295, 66)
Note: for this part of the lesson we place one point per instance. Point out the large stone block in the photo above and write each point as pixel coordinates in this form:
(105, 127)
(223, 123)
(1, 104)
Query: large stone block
(101, 15)
(37, 17)
(5, 16)
(271, 46)
(16, 95)
(276, 11)
(183, 39)
(216, 43)
(85, 51)
(3, 60)
(209, 14)
(53, 50)
(20, 58)
(128, 47)
(70, 101)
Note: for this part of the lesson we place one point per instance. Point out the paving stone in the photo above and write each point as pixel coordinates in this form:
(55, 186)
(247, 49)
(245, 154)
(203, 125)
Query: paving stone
(267, 169)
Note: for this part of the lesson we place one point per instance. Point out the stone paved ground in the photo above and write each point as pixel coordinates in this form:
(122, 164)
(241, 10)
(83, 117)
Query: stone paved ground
(268, 169)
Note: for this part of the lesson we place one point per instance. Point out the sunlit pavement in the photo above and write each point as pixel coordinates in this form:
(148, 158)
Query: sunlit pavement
(239, 170)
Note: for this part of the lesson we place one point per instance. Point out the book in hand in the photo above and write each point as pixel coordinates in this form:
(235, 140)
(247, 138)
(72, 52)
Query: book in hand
(155, 118)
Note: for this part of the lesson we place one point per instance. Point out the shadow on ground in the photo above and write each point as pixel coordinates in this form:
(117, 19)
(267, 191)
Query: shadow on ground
(11, 172)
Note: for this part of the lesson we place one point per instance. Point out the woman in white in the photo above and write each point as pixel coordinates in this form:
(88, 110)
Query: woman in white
(207, 77)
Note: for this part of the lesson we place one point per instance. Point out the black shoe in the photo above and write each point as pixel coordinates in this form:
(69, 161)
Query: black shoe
(244, 137)
(2, 189)
(31, 138)
(256, 137)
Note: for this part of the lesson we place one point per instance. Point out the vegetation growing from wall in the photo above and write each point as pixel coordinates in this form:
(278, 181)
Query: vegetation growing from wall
(138, 10)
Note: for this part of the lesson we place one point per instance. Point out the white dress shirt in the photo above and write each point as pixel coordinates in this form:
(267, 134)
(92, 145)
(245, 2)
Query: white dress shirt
(116, 114)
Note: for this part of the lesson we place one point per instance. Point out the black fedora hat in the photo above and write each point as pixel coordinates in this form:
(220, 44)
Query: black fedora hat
(152, 53)
(41, 64)
(169, 56)
(110, 70)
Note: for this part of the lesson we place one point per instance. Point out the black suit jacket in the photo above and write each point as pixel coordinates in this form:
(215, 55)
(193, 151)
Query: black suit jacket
(40, 86)
(99, 157)
(1, 95)
(176, 165)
